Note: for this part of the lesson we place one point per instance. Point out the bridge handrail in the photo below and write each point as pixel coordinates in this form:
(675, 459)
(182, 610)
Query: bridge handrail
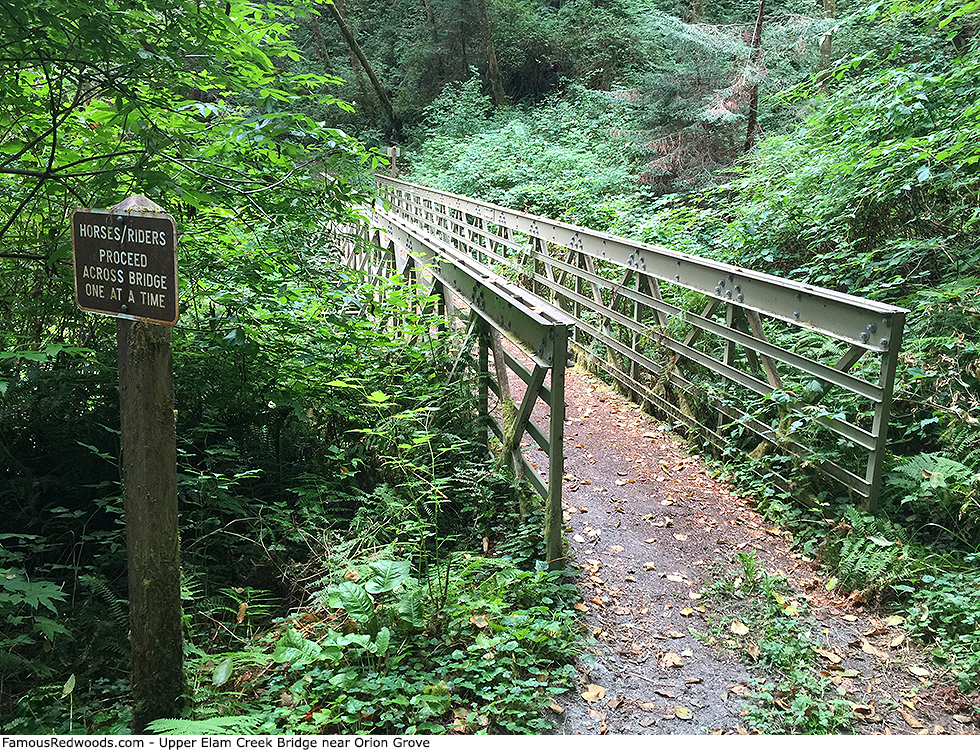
(525, 245)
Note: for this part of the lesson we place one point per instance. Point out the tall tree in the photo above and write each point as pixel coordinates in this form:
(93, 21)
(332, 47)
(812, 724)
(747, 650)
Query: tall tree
(755, 63)
(493, 69)
(345, 31)
(827, 40)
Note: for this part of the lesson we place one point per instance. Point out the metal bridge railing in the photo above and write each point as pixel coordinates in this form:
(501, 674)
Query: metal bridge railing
(497, 308)
(806, 373)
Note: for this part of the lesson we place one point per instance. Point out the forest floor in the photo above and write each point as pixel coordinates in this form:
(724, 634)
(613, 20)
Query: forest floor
(647, 528)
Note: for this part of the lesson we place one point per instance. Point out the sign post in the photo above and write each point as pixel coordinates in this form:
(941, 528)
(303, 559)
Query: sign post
(126, 266)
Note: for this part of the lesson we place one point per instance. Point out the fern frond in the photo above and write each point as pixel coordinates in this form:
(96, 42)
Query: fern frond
(215, 725)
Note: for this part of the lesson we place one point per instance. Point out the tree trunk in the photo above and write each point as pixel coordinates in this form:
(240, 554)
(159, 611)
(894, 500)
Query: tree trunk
(319, 46)
(493, 70)
(827, 40)
(698, 11)
(754, 93)
(348, 35)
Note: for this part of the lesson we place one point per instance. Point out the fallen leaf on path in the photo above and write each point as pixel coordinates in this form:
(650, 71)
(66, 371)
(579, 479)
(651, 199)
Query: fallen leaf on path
(687, 612)
(895, 620)
(753, 650)
(739, 628)
(910, 719)
(648, 707)
(650, 565)
(616, 549)
(676, 577)
(556, 708)
(919, 671)
(616, 702)
(693, 681)
(675, 634)
(670, 659)
(649, 541)
(680, 537)
(863, 711)
(578, 538)
(897, 641)
(829, 655)
(867, 648)
(580, 607)
(683, 712)
(740, 689)
(687, 653)
(594, 693)
(850, 618)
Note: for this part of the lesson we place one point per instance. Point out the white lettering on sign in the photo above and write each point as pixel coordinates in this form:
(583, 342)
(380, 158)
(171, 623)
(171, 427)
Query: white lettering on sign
(152, 300)
(137, 260)
(152, 280)
(98, 273)
(122, 234)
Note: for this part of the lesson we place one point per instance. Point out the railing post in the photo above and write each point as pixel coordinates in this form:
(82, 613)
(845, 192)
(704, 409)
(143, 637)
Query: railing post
(483, 378)
(889, 364)
(556, 465)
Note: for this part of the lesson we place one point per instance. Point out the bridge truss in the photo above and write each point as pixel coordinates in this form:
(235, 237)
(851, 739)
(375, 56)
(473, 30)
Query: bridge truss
(739, 357)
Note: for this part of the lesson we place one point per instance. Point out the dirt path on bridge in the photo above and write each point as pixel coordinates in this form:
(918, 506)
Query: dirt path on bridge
(647, 529)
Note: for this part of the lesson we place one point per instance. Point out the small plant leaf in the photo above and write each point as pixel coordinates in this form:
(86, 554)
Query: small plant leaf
(388, 575)
(222, 672)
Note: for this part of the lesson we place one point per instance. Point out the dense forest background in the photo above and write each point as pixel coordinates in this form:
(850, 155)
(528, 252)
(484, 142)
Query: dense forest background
(330, 476)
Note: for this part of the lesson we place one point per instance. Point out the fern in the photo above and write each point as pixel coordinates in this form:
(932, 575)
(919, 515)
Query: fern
(215, 725)
(871, 552)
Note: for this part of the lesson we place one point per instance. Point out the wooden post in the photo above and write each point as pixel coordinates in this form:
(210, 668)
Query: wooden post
(149, 468)
(148, 444)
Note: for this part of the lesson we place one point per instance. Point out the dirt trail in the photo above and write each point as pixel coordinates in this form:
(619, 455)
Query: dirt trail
(647, 527)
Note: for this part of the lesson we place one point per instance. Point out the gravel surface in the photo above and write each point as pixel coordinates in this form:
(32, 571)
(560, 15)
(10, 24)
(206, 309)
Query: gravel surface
(647, 527)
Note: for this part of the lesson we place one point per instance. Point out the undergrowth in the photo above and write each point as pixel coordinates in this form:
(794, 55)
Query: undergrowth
(754, 612)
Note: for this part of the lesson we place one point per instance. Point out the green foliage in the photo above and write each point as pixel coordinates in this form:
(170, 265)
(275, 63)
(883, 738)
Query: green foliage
(866, 552)
(943, 611)
(508, 636)
(215, 725)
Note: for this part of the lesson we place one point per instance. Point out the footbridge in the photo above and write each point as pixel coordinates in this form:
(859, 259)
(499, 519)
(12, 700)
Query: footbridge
(797, 376)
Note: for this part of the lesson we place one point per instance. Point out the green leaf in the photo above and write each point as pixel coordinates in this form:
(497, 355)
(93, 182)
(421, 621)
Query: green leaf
(388, 575)
(381, 642)
(68, 687)
(355, 601)
(222, 672)
(295, 649)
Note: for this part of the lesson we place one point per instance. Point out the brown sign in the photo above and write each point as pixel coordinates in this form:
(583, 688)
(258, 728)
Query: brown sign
(125, 264)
